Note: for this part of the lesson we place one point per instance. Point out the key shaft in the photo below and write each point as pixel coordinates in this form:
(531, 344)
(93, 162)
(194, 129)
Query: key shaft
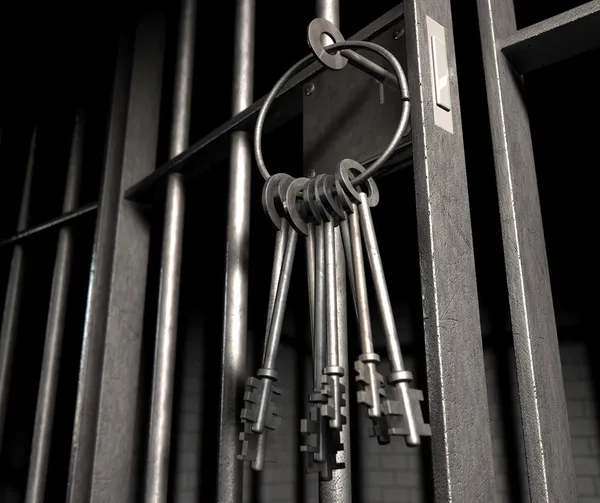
(281, 237)
(387, 316)
(275, 330)
(363, 313)
(320, 353)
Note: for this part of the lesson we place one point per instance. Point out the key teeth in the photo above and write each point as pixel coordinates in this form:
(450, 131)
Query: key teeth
(310, 444)
(252, 398)
(328, 409)
(250, 445)
(363, 396)
(394, 409)
(248, 416)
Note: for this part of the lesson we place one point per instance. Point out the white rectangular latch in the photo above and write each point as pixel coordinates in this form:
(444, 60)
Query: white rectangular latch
(440, 75)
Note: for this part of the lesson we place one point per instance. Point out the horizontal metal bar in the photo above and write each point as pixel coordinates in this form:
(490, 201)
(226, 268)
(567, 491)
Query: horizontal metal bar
(555, 39)
(50, 224)
(214, 147)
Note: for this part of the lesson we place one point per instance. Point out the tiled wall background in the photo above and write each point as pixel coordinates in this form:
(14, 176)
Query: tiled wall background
(395, 473)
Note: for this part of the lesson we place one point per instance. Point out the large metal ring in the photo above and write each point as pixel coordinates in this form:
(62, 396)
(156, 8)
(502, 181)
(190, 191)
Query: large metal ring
(273, 194)
(348, 171)
(303, 63)
(290, 205)
(316, 29)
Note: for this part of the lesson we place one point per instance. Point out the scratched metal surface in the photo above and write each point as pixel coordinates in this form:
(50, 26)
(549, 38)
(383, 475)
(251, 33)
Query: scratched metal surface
(461, 441)
(539, 373)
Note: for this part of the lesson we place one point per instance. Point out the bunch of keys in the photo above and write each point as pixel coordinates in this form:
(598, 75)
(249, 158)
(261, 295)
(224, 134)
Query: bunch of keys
(319, 209)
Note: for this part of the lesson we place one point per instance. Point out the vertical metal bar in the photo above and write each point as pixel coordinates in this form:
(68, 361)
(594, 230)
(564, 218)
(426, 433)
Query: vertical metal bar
(230, 479)
(44, 416)
(116, 462)
(339, 488)
(94, 332)
(14, 293)
(539, 374)
(330, 10)
(461, 441)
(157, 468)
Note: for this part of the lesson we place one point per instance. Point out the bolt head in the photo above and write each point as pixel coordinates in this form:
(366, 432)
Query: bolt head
(399, 32)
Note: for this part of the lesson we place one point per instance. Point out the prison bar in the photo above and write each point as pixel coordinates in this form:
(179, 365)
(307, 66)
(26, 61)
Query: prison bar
(65, 218)
(545, 43)
(539, 374)
(339, 488)
(116, 460)
(44, 416)
(14, 293)
(458, 407)
(103, 460)
(87, 406)
(204, 154)
(157, 468)
(235, 317)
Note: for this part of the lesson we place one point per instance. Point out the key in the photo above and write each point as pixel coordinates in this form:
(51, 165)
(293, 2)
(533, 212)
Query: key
(320, 442)
(311, 428)
(260, 415)
(333, 373)
(403, 402)
(371, 388)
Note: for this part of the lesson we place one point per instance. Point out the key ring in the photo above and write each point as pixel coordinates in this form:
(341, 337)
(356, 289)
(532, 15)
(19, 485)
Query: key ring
(303, 63)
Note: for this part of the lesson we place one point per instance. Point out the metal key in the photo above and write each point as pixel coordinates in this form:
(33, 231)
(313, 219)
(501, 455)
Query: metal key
(260, 414)
(371, 390)
(313, 428)
(333, 373)
(404, 401)
(321, 443)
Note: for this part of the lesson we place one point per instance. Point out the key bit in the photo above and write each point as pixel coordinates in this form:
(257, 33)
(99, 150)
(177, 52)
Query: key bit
(257, 447)
(252, 397)
(254, 452)
(370, 383)
(371, 394)
(395, 408)
(334, 389)
(320, 443)
(380, 429)
(312, 447)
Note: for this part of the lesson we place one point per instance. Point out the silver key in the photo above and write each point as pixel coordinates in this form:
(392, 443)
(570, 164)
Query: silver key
(371, 390)
(321, 443)
(261, 415)
(403, 402)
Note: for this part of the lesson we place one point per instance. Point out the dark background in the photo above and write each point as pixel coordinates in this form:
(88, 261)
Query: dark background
(55, 58)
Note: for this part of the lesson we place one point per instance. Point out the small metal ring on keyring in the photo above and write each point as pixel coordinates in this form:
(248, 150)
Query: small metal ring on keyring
(303, 63)
(345, 176)
(290, 205)
(324, 192)
(310, 200)
(322, 210)
(316, 29)
(273, 195)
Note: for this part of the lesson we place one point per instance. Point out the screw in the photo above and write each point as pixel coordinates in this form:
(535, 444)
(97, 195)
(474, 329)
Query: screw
(309, 89)
(399, 32)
